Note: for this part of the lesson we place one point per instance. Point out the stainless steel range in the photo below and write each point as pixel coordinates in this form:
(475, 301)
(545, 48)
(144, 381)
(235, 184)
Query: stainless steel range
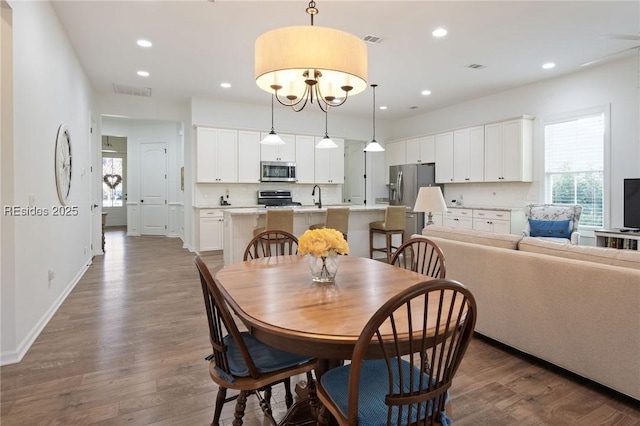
(278, 198)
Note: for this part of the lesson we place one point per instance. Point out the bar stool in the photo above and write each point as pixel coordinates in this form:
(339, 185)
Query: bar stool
(278, 219)
(335, 218)
(394, 223)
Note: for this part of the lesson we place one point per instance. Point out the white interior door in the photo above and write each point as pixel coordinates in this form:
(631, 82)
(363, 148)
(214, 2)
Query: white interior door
(354, 164)
(153, 188)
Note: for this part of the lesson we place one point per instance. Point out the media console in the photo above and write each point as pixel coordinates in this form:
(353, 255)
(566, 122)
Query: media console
(621, 238)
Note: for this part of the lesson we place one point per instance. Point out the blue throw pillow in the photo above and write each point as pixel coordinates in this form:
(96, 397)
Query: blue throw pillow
(550, 228)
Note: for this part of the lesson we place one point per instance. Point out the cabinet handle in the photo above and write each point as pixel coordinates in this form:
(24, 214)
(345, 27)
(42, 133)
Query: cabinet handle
(467, 179)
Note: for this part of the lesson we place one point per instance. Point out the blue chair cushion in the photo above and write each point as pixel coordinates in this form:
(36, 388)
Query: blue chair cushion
(373, 388)
(550, 228)
(266, 358)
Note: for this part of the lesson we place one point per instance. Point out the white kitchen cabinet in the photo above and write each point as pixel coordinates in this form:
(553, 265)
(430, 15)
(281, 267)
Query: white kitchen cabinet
(211, 229)
(496, 221)
(329, 163)
(395, 153)
(468, 154)
(305, 159)
(421, 150)
(286, 152)
(249, 160)
(508, 155)
(458, 218)
(444, 157)
(217, 155)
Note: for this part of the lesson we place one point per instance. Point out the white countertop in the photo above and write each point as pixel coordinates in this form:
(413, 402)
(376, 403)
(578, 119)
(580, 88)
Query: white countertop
(497, 208)
(307, 209)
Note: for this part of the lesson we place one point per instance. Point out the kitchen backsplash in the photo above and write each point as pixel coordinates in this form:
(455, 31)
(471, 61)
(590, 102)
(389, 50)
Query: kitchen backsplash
(240, 194)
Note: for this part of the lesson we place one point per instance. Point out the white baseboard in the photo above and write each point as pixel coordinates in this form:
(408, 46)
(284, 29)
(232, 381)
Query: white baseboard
(15, 356)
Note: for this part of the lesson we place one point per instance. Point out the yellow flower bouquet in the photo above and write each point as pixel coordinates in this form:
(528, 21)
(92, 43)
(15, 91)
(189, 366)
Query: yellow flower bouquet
(323, 247)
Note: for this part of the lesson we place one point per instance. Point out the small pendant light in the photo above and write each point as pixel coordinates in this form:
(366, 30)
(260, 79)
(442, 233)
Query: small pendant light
(272, 138)
(326, 141)
(374, 146)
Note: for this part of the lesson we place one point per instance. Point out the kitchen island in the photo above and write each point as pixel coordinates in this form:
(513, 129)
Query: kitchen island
(240, 223)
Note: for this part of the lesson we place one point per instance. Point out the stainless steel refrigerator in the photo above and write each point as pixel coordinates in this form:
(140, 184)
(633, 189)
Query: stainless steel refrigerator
(404, 183)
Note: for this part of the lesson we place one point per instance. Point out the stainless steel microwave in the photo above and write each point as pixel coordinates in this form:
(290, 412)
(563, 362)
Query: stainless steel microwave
(277, 171)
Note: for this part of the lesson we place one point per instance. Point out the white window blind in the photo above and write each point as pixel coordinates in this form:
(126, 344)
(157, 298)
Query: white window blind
(574, 165)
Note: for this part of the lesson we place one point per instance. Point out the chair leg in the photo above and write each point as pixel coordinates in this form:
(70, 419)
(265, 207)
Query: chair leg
(222, 395)
(370, 244)
(288, 397)
(241, 404)
(314, 402)
(267, 395)
(389, 246)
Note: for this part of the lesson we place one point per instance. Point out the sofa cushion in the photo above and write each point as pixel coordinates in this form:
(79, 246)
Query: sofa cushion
(550, 228)
(507, 241)
(604, 255)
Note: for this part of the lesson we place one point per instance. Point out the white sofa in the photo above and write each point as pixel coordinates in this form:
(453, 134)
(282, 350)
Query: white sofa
(574, 306)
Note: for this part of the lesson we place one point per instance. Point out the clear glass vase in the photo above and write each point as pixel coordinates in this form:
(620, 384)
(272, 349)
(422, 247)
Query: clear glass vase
(324, 268)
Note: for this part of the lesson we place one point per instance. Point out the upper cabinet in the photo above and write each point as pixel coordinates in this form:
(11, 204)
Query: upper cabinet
(249, 164)
(329, 163)
(444, 157)
(305, 159)
(217, 155)
(509, 151)
(468, 154)
(286, 152)
(421, 150)
(395, 153)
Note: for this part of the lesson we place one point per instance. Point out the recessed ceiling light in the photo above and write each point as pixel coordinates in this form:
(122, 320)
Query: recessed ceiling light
(144, 43)
(548, 65)
(439, 32)
(383, 107)
(426, 92)
(225, 85)
(143, 73)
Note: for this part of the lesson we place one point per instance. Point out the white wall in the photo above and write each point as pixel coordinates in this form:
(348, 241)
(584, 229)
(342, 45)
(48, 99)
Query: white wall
(50, 88)
(615, 83)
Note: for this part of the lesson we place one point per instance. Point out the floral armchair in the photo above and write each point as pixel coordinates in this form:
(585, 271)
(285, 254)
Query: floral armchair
(557, 222)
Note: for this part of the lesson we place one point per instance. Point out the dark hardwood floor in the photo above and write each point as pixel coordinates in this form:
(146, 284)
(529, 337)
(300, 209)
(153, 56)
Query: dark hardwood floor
(127, 347)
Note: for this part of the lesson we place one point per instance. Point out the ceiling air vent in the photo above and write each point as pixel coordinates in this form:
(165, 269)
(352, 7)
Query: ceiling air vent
(475, 66)
(372, 39)
(121, 89)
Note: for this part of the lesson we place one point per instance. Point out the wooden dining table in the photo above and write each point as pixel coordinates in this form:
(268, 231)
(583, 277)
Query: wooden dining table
(281, 306)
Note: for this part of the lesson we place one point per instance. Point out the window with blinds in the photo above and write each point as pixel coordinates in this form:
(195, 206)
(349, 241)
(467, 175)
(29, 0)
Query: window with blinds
(574, 165)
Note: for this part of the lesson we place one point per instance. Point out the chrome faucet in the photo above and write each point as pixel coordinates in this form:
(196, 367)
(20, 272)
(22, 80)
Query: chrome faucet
(319, 203)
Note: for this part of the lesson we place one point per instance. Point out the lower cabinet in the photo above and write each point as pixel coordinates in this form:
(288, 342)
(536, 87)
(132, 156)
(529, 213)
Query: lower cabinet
(211, 229)
(497, 221)
(458, 218)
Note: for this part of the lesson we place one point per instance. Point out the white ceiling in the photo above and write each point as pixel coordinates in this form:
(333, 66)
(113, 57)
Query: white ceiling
(199, 44)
